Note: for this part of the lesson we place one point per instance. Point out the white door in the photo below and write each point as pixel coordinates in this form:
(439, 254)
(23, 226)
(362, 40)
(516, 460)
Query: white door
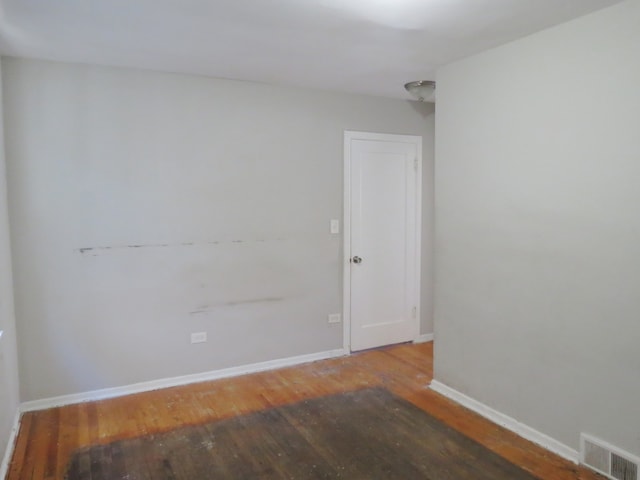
(382, 238)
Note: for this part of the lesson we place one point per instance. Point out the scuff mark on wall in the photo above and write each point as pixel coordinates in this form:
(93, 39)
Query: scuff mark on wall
(121, 247)
(103, 249)
(256, 300)
(234, 303)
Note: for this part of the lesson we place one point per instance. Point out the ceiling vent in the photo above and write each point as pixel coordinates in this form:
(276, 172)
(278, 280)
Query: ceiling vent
(607, 459)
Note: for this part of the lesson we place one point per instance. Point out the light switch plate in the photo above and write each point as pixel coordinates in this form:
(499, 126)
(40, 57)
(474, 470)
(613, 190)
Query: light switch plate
(335, 226)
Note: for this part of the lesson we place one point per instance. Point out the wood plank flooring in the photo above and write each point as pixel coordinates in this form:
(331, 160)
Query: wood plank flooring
(367, 434)
(48, 438)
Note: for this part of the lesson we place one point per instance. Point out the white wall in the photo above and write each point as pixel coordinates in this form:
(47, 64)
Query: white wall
(428, 200)
(9, 398)
(538, 228)
(147, 206)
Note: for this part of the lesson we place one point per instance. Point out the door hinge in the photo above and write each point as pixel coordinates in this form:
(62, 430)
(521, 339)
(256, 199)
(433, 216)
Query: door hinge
(415, 164)
(414, 312)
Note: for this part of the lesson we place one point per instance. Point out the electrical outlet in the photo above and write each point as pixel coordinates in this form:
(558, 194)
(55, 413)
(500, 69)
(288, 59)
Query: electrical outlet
(334, 318)
(199, 337)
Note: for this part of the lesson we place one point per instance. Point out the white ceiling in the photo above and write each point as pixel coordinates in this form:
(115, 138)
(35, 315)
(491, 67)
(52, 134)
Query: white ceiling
(363, 46)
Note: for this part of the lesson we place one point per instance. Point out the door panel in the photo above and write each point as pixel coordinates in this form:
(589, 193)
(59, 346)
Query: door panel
(383, 211)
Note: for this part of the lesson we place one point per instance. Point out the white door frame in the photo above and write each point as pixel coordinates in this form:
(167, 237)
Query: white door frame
(346, 276)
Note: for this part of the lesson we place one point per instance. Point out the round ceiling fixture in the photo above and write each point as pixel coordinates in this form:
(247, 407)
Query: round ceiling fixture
(423, 90)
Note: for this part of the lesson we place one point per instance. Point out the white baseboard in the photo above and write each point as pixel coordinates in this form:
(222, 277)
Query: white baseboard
(424, 338)
(507, 422)
(176, 381)
(4, 466)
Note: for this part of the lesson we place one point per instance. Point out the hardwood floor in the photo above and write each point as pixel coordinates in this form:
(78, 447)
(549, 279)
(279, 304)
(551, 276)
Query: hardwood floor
(47, 438)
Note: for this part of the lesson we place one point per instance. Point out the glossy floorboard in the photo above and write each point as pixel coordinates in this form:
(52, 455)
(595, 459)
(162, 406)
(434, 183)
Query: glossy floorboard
(48, 438)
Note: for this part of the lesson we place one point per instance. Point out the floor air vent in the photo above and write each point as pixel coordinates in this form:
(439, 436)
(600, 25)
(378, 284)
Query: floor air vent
(607, 459)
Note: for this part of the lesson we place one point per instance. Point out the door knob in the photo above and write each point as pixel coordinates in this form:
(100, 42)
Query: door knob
(356, 259)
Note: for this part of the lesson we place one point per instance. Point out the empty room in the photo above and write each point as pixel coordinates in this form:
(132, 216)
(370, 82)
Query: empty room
(357, 239)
